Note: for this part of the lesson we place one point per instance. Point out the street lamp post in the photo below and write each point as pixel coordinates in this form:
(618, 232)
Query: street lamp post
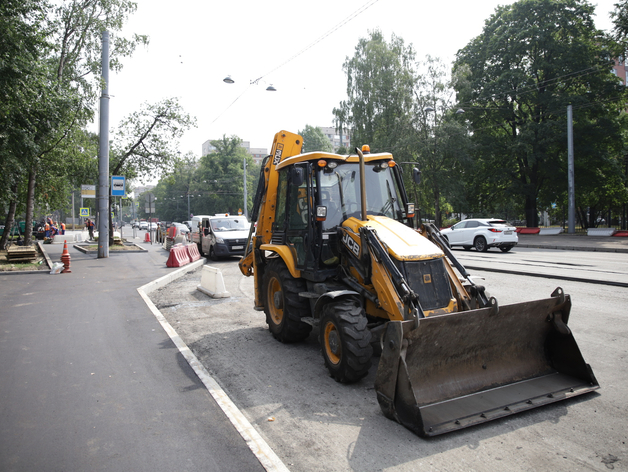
(436, 190)
(246, 212)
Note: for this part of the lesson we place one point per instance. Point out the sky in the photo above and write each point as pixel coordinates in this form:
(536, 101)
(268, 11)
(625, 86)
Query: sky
(297, 47)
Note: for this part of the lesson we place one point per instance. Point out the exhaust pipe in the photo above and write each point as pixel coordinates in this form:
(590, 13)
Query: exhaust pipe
(362, 184)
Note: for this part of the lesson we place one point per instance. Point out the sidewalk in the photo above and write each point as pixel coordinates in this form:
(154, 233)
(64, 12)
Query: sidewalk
(91, 382)
(575, 242)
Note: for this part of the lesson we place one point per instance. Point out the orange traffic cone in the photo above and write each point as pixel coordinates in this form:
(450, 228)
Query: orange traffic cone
(65, 258)
(147, 237)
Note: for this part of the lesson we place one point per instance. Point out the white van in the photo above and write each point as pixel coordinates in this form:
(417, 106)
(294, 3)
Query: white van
(221, 235)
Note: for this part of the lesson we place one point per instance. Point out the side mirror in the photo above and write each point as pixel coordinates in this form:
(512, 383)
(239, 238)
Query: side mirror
(416, 175)
(297, 176)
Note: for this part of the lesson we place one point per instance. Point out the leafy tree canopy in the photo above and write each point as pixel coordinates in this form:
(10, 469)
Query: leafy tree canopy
(380, 82)
(534, 58)
(315, 140)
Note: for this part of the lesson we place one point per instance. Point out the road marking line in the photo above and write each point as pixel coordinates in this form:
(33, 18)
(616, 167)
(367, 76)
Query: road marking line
(267, 457)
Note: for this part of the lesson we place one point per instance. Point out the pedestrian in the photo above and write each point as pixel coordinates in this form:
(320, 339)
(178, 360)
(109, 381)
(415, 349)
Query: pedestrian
(90, 227)
(63, 228)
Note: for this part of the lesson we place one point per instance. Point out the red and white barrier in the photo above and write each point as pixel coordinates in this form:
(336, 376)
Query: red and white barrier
(193, 252)
(178, 257)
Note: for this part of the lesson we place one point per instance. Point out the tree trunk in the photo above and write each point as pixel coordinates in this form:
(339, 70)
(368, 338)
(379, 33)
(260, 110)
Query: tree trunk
(532, 217)
(437, 219)
(592, 213)
(8, 223)
(582, 217)
(30, 206)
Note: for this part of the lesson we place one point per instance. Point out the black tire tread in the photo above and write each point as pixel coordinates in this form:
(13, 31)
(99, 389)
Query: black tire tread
(351, 322)
(292, 328)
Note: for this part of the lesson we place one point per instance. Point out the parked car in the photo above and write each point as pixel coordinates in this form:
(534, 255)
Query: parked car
(152, 226)
(482, 234)
(143, 225)
(182, 228)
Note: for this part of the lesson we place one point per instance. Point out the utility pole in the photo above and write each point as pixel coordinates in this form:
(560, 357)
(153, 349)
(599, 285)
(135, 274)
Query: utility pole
(571, 216)
(246, 212)
(103, 155)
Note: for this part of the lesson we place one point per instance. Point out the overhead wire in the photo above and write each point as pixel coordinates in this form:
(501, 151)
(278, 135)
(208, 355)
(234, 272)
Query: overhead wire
(346, 20)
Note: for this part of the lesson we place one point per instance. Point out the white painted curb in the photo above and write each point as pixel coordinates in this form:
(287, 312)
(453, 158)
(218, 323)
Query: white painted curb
(267, 457)
(601, 231)
(550, 231)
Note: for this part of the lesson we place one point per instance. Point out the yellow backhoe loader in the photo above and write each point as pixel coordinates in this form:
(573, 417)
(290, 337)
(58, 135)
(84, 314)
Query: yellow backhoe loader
(334, 248)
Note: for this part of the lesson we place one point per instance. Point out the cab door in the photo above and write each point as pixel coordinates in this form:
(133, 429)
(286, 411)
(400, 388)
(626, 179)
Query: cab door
(293, 217)
(205, 235)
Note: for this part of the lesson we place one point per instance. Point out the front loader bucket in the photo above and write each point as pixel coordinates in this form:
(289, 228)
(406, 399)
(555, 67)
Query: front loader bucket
(466, 368)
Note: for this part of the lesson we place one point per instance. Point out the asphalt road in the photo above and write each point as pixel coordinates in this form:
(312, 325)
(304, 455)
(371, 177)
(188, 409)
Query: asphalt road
(605, 268)
(314, 423)
(89, 380)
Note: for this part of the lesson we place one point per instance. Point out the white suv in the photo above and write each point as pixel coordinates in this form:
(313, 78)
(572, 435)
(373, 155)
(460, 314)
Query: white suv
(482, 233)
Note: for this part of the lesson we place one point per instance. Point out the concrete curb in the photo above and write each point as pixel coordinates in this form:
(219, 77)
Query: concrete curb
(166, 279)
(574, 248)
(46, 256)
(81, 248)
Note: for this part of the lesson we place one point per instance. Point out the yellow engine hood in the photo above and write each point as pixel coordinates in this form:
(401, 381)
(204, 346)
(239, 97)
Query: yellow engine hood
(404, 243)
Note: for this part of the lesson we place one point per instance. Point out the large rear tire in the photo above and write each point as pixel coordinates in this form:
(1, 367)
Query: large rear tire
(505, 248)
(345, 340)
(282, 304)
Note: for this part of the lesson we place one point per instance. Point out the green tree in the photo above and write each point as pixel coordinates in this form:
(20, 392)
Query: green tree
(176, 190)
(61, 85)
(146, 143)
(442, 142)
(315, 140)
(620, 20)
(534, 58)
(380, 83)
(221, 178)
(22, 48)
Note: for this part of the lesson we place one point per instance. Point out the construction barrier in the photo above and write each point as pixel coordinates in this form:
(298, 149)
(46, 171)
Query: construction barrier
(550, 231)
(193, 252)
(601, 231)
(212, 283)
(178, 257)
(528, 230)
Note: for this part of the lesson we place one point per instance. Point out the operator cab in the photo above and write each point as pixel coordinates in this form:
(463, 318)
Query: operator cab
(317, 192)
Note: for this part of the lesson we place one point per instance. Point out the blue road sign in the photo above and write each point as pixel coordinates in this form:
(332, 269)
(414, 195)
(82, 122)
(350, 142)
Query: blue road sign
(118, 186)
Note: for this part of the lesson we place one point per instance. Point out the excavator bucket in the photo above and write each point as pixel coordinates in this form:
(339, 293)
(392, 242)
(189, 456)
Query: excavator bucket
(458, 370)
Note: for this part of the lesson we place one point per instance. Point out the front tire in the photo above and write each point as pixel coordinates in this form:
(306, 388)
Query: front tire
(212, 254)
(345, 340)
(282, 304)
(480, 244)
